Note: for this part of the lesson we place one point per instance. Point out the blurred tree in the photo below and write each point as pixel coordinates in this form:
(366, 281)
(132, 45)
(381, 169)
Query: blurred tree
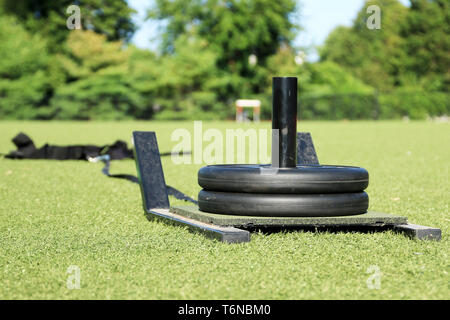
(426, 31)
(47, 17)
(244, 33)
(24, 85)
(181, 85)
(372, 55)
(86, 53)
(412, 48)
(98, 85)
(331, 92)
(329, 78)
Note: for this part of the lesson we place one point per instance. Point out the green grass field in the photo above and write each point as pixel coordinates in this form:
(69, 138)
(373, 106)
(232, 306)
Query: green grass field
(54, 214)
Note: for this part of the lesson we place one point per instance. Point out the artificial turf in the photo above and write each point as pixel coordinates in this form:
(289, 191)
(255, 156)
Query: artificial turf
(55, 214)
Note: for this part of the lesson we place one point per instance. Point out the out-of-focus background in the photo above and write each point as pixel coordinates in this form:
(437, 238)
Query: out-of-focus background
(191, 59)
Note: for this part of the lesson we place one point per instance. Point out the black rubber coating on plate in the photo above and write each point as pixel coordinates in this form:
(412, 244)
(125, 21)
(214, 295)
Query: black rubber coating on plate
(283, 205)
(299, 180)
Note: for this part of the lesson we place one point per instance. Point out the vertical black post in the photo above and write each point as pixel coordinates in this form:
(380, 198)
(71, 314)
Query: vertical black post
(284, 122)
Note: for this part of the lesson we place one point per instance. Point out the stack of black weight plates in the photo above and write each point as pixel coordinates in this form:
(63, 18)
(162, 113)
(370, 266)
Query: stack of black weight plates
(303, 191)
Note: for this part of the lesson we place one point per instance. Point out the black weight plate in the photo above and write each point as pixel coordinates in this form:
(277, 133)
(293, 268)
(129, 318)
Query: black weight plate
(299, 180)
(283, 205)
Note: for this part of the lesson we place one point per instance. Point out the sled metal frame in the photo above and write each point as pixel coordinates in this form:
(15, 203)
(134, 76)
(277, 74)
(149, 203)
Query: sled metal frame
(157, 206)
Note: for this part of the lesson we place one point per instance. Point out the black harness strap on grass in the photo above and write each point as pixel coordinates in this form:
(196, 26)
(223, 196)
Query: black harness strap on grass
(26, 149)
(118, 150)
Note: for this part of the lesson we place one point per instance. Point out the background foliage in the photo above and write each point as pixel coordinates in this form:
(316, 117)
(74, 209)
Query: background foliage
(214, 52)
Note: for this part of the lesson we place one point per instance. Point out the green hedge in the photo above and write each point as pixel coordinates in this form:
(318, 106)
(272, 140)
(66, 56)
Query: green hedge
(415, 105)
(338, 106)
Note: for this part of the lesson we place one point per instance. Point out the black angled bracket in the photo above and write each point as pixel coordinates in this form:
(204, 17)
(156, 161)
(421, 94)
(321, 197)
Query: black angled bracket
(155, 197)
(306, 153)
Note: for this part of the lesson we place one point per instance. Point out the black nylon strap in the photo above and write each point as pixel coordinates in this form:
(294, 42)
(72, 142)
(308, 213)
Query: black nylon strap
(27, 150)
(118, 150)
